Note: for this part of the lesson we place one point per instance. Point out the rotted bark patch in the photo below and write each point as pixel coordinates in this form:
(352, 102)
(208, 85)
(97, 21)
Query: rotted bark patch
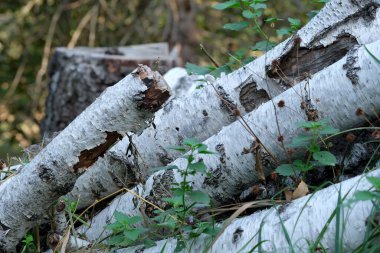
(301, 62)
(351, 66)
(237, 235)
(89, 157)
(160, 189)
(226, 103)
(156, 94)
(250, 97)
(45, 173)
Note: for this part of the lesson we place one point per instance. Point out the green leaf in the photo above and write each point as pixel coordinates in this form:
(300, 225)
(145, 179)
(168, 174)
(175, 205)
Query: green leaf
(272, 20)
(299, 165)
(193, 69)
(133, 234)
(120, 217)
(366, 195)
(302, 140)
(295, 23)
(226, 5)
(201, 147)
(310, 124)
(206, 152)
(237, 26)
(180, 246)
(169, 167)
(169, 224)
(199, 196)
(314, 148)
(284, 31)
(175, 201)
(248, 14)
(325, 158)
(285, 170)
(258, 6)
(198, 167)
(178, 148)
(328, 130)
(116, 240)
(191, 142)
(264, 46)
(375, 181)
(248, 60)
(311, 14)
(133, 220)
(148, 243)
(222, 69)
(117, 227)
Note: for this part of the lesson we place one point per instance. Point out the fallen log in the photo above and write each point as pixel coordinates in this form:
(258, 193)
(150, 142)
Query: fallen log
(127, 106)
(326, 39)
(331, 91)
(303, 219)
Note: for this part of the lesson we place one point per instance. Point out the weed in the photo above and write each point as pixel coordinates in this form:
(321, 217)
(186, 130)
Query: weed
(180, 220)
(28, 244)
(315, 156)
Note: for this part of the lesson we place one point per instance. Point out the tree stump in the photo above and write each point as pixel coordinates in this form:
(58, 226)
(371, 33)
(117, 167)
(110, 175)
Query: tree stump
(79, 75)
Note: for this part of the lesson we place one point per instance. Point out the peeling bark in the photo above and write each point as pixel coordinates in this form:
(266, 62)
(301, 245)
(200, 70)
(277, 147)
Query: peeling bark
(202, 113)
(303, 219)
(232, 169)
(26, 197)
(300, 62)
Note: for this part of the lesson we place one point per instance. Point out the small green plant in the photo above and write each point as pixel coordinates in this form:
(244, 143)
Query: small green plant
(181, 219)
(125, 234)
(28, 244)
(70, 209)
(315, 156)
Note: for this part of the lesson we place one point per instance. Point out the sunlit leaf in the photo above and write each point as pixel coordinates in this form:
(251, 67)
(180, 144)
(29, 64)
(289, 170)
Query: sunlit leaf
(237, 26)
(325, 158)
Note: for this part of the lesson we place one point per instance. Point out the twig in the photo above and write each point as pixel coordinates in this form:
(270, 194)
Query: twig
(209, 56)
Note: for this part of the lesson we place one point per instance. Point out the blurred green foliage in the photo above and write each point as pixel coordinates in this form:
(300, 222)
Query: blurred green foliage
(31, 29)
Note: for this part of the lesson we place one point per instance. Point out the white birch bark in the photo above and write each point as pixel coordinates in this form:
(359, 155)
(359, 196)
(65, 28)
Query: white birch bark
(303, 219)
(202, 114)
(127, 106)
(334, 95)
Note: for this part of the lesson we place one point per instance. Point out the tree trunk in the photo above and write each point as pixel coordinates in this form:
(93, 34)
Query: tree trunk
(182, 32)
(79, 75)
(303, 219)
(26, 197)
(203, 113)
(337, 92)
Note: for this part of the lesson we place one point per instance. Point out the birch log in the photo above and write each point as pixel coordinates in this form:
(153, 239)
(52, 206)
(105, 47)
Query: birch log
(328, 37)
(303, 219)
(331, 91)
(127, 106)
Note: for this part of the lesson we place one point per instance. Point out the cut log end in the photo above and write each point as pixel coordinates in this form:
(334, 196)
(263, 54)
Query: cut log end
(158, 90)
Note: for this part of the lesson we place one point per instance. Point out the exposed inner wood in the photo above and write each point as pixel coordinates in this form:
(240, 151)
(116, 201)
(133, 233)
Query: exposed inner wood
(89, 157)
(156, 94)
(300, 62)
(250, 97)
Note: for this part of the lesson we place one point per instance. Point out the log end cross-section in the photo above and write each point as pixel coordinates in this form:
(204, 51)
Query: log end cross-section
(157, 92)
